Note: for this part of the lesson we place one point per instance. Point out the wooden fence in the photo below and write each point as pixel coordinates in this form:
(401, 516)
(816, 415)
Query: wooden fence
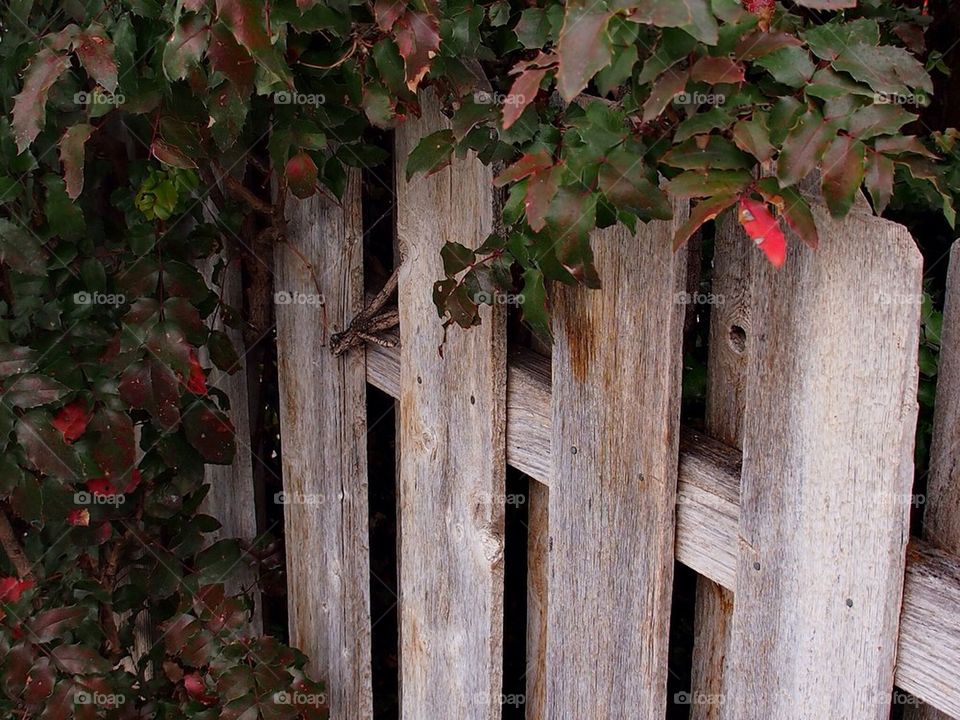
(813, 600)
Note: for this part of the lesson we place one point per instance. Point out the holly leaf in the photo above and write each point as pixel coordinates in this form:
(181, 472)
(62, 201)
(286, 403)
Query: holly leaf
(828, 4)
(700, 214)
(72, 146)
(666, 88)
(153, 387)
(171, 155)
(46, 450)
(843, 171)
(185, 49)
(523, 91)
(431, 154)
(29, 105)
(302, 173)
(80, 660)
(716, 183)
(717, 70)
(418, 40)
(211, 433)
(753, 136)
(245, 20)
(789, 65)
(717, 154)
(95, 51)
(874, 120)
(21, 250)
(28, 391)
(879, 180)
(584, 49)
(803, 148)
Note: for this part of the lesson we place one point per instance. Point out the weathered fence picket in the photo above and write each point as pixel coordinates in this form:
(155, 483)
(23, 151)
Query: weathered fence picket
(453, 460)
(726, 393)
(941, 519)
(319, 289)
(827, 467)
(612, 496)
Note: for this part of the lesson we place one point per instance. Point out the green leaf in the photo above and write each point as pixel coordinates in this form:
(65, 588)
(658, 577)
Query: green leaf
(701, 213)
(874, 120)
(534, 307)
(663, 92)
(20, 250)
(843, 170)
(803, 148)
(185, 49)
(431, 154)
(718, 154)
(753, 136)
(717, 183)
(829, 40)
(790, 66)
(886, 69)
(702, 123)
(584, 49)
(245, 20)
(94, 49)
(456, 258)
(879, 180)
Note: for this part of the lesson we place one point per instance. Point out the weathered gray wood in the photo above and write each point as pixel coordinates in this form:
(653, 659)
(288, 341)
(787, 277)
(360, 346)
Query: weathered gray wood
(708, 509)
(232, 497)
(827, 468)
(323, 421)
(537, 595)
(941, 518)
(612, 506)
(453, 464)
(726, 391)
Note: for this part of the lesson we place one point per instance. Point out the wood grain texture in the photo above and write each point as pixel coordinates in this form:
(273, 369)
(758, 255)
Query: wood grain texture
(453, 464)
(827, 470)
(537, 595)
(615, 432)
(726, 393)
(323, 422)
(941, 517)
(708, 510)
(232, 496)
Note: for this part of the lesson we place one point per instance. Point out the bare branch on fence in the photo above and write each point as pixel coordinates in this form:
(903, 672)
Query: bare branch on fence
(369, 322)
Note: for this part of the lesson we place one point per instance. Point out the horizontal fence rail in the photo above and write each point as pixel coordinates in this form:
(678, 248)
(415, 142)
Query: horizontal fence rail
(708, 512)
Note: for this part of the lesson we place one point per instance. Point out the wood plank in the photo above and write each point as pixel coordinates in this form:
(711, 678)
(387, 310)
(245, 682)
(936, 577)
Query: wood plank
(941, 517)
(726, 393)
(453, 464)
(323, 421)
(612, 506)
(827, 468)
(537, 595)
(232, 496)
(708, 510)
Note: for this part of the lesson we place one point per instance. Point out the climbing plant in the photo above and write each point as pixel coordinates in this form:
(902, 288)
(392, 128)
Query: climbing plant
(148, 147)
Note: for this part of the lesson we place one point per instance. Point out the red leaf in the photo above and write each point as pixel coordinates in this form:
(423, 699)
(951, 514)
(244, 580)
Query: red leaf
(301, 177)
(703, 212)
(101, 487)
(197, 382)
(523, 92)
(246, 20)
(763, 8)
(525, 166)
(71, 420)
(716, 70)
(71, 156)
(11, 588)
(764, 230)
(227, 57)
(79, 518)
(29, 106)
(387, 12)
(95, 52)
(193, 683)
(418, 39)
(664, 90)
(541, 189)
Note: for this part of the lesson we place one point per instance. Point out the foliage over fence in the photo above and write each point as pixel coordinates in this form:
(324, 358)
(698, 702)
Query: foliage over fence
(133, 117)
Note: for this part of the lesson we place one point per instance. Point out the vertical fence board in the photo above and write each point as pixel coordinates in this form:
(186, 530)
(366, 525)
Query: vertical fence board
(452, 468)
(617, 363)
(537, 595)
(827, 467)
(726, 390)
(941, 519)
(232, 499)
(323, 421)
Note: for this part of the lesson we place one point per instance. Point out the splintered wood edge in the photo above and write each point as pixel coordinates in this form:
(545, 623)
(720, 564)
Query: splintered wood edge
(708, 490)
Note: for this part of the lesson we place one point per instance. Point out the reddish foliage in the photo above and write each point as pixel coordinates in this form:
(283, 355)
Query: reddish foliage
(11, 588)
(80, 518)
(72, 420)
(764, 230)
(197, 382)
